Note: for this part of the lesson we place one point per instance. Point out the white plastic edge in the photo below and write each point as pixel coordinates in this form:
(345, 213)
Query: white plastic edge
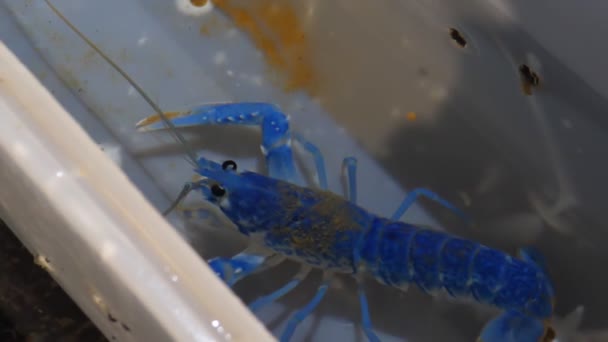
(96, 234)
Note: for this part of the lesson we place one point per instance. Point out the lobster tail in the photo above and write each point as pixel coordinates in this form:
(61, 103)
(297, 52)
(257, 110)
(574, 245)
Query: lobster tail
(512, 326)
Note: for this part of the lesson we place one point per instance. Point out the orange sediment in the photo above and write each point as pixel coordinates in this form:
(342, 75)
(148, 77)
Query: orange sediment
(198, 3)
(411, 116)
(275, 29)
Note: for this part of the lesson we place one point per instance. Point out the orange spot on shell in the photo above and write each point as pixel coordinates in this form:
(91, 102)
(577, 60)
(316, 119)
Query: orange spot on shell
(275, 29)
(411, 116)
(198, 3)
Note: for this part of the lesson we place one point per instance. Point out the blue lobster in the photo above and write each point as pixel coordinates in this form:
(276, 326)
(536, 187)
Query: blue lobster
(317, 228)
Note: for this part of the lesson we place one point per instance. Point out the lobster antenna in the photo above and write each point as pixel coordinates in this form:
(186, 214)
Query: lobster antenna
(189, 152)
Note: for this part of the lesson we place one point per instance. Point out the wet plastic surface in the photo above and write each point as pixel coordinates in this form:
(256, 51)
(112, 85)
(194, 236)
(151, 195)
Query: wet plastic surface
(391, 86)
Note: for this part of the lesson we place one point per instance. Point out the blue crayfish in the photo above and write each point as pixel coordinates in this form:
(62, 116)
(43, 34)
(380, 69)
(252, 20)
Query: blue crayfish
(285, 219)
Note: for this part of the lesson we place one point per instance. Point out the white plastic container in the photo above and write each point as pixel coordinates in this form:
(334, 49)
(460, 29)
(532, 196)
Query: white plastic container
(394, 85)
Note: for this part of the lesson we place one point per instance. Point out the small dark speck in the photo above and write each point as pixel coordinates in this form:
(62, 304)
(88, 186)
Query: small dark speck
(48, 261)
(113, 338)
(80, 90)
(529, 79)
(126, 327)
(112, 318)
(528, 75)
(458, 37)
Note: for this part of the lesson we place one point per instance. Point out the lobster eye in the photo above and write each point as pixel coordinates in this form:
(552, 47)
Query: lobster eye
(229, 164)
(217, 190)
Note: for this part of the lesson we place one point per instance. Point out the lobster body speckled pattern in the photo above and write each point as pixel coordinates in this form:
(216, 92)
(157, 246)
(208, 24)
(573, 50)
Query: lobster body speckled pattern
(329, 232)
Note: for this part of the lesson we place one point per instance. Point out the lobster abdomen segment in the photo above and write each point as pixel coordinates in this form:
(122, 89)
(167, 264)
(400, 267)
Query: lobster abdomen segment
(397, 254)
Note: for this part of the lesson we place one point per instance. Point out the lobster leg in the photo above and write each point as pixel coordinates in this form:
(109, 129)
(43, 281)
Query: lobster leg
(267, 299)
(350, 163)
(512, 326)
(534, 256)
(365, 317)
(413, 195)
(318, 158)
(231, 270)
(301, 314)
(276, 135)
